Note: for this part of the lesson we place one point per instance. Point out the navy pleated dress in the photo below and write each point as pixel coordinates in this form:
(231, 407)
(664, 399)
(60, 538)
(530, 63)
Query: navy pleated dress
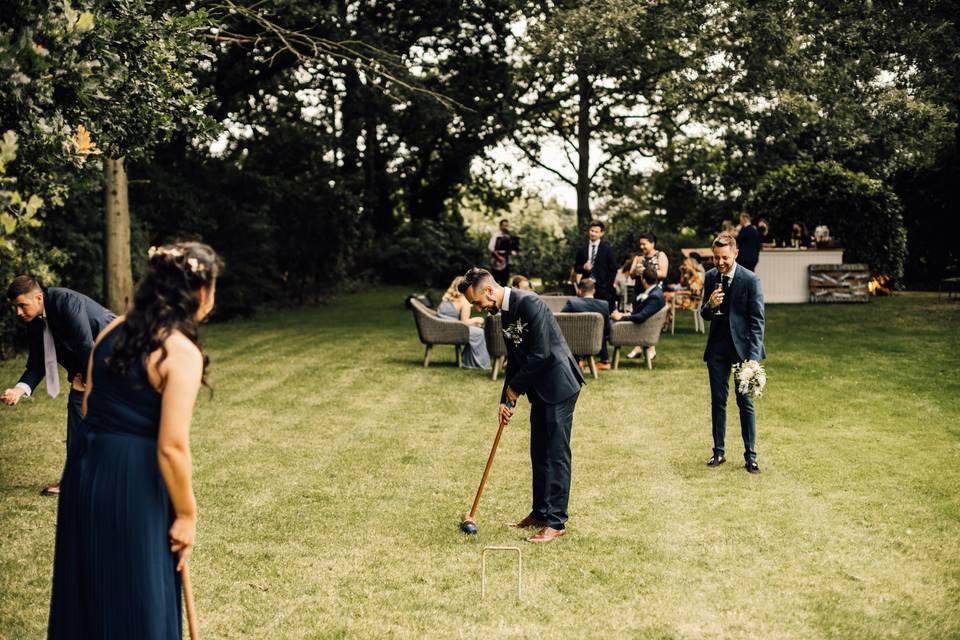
(114, 576)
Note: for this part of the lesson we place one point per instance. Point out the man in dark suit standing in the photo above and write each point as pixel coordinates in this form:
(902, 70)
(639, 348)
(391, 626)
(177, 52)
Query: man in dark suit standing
(587, 303)
(62, 326)
(735, 311)
(648, 303)
(595, 261)
(748, 243)
(542, 367)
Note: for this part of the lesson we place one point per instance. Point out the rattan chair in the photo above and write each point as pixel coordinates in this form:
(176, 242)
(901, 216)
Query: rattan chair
(627, 334)
(583, 333)
(434, 330)
(496, 347)
(555, 303)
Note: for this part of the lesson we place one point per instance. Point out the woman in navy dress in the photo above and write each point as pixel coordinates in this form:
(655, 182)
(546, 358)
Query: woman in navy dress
(127, 516)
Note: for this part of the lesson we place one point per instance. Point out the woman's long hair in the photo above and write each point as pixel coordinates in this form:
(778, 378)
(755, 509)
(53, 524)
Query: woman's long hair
(166, 300)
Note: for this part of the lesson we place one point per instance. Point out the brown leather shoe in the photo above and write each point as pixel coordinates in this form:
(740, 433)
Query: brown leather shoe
(547, 534)
(51, 490)
(603, 366)
(527, 523)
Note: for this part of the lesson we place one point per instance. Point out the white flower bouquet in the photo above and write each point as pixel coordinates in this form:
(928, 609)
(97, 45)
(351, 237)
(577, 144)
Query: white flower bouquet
(750, 377)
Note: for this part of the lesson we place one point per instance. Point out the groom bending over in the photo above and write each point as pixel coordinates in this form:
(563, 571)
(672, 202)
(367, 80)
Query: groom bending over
(735, 311)
(542, 367)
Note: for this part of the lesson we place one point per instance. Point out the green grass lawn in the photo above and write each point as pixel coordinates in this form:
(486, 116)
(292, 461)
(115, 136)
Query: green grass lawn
(331, 471)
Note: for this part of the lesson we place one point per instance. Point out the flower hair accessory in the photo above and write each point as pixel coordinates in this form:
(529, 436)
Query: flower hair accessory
(193, 263)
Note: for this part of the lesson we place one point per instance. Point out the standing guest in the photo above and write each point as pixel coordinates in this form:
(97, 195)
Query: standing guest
(799, 236)
(595, 261)
(649, 302)
(764, 228)
(623, 279)
(501, 249)
(127, 516)
(521, 282)
(455, 307)
(542, 367)
(584, 303)
(735, 312)
(748, 242)
(61, 325)
(650, 257)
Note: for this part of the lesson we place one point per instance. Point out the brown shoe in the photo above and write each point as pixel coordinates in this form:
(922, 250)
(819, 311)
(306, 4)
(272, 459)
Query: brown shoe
(547, 534)
(51, 490)
(527, 523)
(603, 366)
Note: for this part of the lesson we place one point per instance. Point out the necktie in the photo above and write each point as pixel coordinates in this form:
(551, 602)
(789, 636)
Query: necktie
(593, 252)
(50, 362)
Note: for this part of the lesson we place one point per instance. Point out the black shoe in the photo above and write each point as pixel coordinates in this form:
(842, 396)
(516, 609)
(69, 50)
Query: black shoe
(716, 461)
(752, 467)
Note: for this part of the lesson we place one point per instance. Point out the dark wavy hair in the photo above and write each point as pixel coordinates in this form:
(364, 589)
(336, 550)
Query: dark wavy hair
(166, 300)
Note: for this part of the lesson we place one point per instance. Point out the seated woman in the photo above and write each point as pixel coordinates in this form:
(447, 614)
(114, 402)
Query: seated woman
(691, 282)
(454, 306)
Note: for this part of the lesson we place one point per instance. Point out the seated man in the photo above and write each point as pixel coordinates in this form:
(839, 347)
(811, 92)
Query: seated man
(521, 282)
(648, 303)
(586, 302)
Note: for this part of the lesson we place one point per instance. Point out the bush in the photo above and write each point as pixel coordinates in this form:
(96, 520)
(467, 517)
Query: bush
(864, 215)
(429, 252)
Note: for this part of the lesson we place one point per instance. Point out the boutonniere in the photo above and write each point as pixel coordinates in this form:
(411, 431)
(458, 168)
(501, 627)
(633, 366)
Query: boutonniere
(643, 296)
(515, 332)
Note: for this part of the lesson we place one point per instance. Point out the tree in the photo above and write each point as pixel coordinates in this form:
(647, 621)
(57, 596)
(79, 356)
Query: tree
(111, 77)
(613, 81)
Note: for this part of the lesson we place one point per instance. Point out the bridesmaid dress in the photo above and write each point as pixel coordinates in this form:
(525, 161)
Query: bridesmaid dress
(113, 573)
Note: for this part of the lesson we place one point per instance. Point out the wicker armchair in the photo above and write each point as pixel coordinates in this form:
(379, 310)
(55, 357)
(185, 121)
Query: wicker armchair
(434, 330)
(555, 303)
(583, 333)
(627, 334)
(496, 347)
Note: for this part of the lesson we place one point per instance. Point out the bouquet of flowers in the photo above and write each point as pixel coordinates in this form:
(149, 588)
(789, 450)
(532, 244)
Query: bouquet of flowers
(750, 377)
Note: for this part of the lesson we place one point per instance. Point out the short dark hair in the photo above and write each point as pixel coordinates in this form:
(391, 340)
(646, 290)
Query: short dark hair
(648, 235)
(725, 240)
(504, 220)
(744, 214)
(517, 280)
(587, 286)
(696, 256)
(596, 223)
(650, 276)
(472, 278)
(20, 286)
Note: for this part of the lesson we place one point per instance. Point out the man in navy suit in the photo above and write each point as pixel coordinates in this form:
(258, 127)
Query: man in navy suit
(648, 303)
(596, 261)
(749, 242)
(62, 326)
(587, 303)
(735, 312)
(542, 367)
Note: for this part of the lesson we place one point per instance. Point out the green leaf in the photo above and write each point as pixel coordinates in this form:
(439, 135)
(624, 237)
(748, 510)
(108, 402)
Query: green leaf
(84, 22)
(8, 148)
(8, 222)
(33, 205)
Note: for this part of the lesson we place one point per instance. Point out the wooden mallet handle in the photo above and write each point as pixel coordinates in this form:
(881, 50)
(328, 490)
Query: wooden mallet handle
(188, 601)
(486, 471)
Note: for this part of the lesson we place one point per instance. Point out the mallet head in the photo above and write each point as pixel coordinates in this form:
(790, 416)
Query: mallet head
(469, 525)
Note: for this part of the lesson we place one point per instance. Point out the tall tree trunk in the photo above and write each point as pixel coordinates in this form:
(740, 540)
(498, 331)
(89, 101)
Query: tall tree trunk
(376, 192)
(585, 93)
(118, 273)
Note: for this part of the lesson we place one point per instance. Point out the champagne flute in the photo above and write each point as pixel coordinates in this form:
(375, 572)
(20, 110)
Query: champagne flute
(719, 287)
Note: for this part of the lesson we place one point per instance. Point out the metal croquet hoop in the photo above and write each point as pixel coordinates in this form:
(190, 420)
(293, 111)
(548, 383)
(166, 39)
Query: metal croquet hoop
(483, 569)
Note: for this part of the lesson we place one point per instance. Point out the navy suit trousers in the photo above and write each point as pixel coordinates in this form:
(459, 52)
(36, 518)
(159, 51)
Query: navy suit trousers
(721, 356)
(550, 426)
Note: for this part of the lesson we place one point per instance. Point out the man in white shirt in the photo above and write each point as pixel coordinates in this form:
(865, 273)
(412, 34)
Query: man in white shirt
(501, 248)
